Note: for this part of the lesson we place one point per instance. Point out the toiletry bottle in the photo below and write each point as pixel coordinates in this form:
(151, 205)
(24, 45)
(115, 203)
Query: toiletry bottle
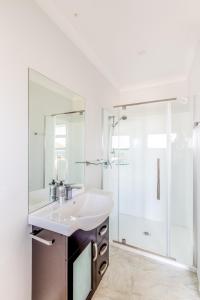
(68, 192)
(52, 190)
(61, 192)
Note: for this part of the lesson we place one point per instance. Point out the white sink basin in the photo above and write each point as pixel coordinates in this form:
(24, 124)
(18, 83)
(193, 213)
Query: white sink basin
(85, 211)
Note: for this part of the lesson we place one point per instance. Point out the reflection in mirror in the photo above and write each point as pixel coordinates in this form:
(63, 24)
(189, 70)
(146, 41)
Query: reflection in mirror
(56, 138)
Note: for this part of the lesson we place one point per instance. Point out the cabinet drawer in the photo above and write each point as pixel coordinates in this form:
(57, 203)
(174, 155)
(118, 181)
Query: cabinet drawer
(103, 260)
(103, 248)
(100, 251)
(102, 266)
(103, 254)
(103, 231)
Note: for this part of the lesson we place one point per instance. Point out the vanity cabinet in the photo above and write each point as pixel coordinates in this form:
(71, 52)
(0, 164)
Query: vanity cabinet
(69, 268)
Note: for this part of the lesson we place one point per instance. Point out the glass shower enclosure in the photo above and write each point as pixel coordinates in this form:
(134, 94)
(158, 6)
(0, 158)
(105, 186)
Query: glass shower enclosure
(148, 149)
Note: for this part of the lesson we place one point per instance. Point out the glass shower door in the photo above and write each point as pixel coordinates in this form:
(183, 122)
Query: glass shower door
(150, 173)
(141, 147)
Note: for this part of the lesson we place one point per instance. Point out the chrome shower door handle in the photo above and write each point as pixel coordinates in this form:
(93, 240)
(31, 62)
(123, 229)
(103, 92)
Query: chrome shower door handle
(158, 179)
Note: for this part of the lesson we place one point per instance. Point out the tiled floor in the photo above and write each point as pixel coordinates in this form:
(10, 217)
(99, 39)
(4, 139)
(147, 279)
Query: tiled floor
(134, 277)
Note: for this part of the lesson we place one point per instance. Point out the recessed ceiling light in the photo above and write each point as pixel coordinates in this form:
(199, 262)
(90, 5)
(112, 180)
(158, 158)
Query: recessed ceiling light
(75, 15)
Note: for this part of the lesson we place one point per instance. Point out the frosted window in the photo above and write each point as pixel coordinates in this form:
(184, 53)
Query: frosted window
(60, 142)
(61, 130)
(121, 142)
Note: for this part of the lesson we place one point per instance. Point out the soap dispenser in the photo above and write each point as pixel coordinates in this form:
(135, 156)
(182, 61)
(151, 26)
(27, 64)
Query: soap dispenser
(60, 195)
(52, 190)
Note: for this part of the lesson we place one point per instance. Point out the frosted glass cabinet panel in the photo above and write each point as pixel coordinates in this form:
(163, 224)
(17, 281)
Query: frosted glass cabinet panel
(82, 275)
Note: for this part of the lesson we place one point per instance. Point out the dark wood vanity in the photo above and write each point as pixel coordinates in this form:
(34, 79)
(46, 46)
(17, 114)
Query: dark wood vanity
(69, 268)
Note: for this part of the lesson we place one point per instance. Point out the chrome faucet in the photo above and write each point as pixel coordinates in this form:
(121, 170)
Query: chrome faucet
(68, 190)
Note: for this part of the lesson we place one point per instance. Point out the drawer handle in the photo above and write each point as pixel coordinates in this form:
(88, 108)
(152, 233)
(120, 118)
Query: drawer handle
(103, 230)
(103, 268)
(34, 236)
(95, 251)
(103, 249)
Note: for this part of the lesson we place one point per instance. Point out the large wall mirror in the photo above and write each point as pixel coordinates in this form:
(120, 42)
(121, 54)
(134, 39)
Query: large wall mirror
(56, 137)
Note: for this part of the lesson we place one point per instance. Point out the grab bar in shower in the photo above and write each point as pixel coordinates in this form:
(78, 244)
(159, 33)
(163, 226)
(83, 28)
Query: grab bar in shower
(158, 178)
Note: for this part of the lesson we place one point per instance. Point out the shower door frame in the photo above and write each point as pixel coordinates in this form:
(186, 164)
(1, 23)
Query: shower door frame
(167, 102)
(169, 170)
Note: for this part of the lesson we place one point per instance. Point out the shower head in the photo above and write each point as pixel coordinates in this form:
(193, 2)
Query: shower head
(115, 123)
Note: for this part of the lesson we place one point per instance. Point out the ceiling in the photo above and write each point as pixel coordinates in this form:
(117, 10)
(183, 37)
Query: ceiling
(132, 42)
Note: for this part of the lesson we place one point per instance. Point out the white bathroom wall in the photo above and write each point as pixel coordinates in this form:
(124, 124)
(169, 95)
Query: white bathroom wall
(29, 39)
(154, 92)
(194, 78)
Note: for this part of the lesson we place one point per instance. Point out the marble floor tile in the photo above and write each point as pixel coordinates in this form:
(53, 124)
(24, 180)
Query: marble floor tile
(134, 277)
